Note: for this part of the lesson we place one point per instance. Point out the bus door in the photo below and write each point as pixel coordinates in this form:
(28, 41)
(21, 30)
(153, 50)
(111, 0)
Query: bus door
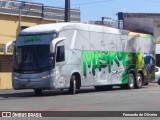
(60, 65)
(60, 52)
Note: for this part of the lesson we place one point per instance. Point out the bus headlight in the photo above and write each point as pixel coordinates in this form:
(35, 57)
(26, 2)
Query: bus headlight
(15, 78)
(46, 77)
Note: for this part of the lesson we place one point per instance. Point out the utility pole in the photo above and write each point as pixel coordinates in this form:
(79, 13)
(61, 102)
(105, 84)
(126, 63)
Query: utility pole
(67, 11)
(102, 20)
(22, 4)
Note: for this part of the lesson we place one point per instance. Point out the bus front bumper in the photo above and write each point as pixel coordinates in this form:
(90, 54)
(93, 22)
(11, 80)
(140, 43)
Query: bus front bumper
(39, 83)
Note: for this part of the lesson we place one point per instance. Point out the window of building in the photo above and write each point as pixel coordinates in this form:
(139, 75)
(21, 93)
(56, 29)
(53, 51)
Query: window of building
(5, 63)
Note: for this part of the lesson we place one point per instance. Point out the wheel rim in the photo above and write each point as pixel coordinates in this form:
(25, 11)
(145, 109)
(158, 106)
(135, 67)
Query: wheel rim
(74, 86)
(139, 81)
(131, 81)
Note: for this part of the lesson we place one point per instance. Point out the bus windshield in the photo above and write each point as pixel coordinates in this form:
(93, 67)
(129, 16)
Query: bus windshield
(34, 55)
(32, 58)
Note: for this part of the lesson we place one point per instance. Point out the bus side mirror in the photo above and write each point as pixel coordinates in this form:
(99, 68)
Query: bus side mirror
(55, 42)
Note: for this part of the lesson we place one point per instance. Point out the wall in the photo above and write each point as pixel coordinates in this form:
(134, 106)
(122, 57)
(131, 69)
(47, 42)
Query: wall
(139, 22)
(9, 25)
(157, 31)
(143, 25)
(5, 80)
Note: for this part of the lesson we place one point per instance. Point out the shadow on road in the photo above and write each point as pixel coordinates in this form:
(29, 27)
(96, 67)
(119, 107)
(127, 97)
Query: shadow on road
(7, 94)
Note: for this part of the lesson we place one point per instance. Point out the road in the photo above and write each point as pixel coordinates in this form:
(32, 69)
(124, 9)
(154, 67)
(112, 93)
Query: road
(87, 99)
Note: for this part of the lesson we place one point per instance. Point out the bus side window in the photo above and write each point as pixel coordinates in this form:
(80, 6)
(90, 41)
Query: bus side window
(60, 54)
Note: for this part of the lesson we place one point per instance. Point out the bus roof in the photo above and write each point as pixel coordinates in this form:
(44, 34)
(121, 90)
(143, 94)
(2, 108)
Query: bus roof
(56, 27)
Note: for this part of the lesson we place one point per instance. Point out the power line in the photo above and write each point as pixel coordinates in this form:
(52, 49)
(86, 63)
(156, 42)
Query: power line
(92, 2)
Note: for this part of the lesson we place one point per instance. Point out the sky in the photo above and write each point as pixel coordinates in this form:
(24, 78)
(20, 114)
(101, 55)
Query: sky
(92, 10)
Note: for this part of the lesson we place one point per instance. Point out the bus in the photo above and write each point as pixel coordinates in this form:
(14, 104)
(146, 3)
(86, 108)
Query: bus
(74, 55)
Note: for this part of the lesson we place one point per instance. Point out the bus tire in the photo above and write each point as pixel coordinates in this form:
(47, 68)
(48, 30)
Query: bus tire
(159, 81)
(139, 81)
(72, 88)
(131, 81)
(38, 91)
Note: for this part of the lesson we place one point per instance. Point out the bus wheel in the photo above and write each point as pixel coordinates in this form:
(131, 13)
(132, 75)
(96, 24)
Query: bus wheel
(72, 88)
(131, 81)
(159, 81)
(139, 81)
(38, 91)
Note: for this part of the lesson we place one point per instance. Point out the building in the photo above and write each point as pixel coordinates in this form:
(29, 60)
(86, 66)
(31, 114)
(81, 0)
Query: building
(145, 23)
(141, 22)
(15, 16)
(106, 21)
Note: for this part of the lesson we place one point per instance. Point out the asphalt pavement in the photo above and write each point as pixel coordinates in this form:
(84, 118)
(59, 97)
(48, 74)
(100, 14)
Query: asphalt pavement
(86, 99)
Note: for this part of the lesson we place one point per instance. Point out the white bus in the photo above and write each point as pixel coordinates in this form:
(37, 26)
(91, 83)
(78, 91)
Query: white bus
(73, 55)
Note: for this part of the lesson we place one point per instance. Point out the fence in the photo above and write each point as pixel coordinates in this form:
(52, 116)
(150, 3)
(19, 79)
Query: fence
(36, 10)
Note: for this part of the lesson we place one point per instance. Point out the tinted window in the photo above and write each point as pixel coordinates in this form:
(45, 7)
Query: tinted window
(60, 54)
(32, 58)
